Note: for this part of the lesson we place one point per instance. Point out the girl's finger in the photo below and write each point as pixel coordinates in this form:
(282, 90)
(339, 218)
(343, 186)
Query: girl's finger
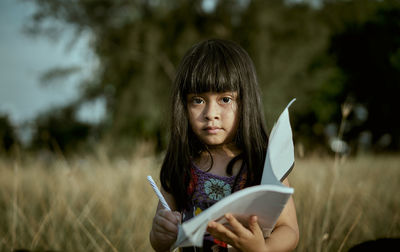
(173, 217)
(164, 233)
(166, 222)
(237, 227)
(178, 216)
(253, 225)
(168, 226)
(219, 231)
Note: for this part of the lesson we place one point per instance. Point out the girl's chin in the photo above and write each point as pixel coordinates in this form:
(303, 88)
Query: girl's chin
(219, 144)
(213, 142)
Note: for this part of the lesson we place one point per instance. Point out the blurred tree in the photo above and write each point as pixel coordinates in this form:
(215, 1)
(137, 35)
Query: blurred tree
(8, 137)
(59, 131)
(369, 55)
(139, 43)
(288, 46)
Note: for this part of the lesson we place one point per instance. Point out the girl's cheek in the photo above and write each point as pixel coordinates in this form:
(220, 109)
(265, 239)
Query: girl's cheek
(233, 106)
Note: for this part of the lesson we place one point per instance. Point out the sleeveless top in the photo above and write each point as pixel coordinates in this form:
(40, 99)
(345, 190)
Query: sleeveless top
(204, 190)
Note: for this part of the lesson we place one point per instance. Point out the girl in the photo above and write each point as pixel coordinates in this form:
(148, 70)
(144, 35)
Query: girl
(217, 146)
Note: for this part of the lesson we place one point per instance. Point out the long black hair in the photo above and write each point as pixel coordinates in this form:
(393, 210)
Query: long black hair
(213, 66)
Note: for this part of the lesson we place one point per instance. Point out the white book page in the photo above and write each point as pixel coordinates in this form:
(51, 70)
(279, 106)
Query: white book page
(280, 153)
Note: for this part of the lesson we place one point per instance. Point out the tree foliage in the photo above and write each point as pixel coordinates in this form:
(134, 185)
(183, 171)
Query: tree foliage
(366, 50)
(8, 137)
(322, 56)
(59, 131)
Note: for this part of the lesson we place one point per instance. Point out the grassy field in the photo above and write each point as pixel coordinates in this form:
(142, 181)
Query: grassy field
(95, 203)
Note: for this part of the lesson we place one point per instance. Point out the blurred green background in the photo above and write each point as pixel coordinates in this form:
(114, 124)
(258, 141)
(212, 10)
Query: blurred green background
(324, 53)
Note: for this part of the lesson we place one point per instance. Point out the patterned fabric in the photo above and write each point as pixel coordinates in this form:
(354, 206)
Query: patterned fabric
(205, 189)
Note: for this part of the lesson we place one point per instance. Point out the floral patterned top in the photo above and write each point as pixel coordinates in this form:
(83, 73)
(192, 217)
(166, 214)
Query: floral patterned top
(205, 189)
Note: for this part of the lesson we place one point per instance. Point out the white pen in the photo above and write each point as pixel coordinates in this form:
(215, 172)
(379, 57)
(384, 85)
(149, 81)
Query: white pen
(159, 194)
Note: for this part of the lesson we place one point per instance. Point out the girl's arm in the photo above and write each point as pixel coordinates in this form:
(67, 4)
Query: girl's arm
(165, 225)
(284, 237)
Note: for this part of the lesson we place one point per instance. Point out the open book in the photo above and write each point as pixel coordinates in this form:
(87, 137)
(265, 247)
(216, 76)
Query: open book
(266, 200)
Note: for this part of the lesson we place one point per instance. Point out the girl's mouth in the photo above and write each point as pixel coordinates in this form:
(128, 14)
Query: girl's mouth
(212, 129)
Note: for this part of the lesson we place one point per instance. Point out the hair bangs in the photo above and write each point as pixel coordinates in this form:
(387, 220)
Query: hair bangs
(210, 68)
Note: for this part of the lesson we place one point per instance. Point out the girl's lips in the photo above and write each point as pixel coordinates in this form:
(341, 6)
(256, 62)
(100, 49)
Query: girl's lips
(212, 130)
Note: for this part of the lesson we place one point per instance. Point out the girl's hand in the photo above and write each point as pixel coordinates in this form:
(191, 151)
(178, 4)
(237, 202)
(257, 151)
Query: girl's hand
(164, 229)
(237, 235)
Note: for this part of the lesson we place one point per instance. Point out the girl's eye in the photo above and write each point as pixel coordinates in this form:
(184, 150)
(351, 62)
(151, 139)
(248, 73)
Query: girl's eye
(226, 100)
(197, 100)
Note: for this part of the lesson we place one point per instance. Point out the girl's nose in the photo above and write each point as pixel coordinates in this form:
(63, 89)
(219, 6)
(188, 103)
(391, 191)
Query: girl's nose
(211, 111)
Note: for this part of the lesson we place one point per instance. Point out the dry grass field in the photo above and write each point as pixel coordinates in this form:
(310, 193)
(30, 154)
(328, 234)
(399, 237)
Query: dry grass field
(94, 203)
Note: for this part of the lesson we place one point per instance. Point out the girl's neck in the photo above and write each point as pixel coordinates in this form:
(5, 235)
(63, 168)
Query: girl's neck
(227, 150)
(220, 157)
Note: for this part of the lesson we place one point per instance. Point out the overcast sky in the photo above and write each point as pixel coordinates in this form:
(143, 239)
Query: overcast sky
(24, 59)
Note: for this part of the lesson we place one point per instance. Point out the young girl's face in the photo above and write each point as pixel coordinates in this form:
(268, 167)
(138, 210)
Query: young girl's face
(214, 117)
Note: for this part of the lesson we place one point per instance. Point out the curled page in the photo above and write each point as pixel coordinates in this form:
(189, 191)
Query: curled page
(280, 152)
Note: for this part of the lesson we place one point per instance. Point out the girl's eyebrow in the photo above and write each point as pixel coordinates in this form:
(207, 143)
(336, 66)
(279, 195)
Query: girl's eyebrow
(232, 93)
